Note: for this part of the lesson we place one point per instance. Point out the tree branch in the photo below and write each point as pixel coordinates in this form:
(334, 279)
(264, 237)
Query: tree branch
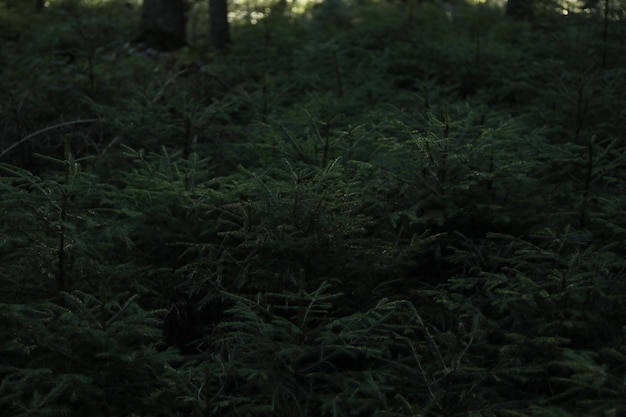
(45, 129)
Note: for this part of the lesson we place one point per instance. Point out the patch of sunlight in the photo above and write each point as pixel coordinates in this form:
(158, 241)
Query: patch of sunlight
(301, 6)
(494, 3)
(255, 11)
(291, 6)
(568, 5)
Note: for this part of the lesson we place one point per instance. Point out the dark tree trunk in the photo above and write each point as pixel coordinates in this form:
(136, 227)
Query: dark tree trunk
(39, 5)
(163, 24)
(219, 31)
(520, 9)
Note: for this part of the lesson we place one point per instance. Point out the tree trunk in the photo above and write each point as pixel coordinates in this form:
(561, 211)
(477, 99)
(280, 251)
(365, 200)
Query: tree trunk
(162, 24)
(219, 31)
(520, 9)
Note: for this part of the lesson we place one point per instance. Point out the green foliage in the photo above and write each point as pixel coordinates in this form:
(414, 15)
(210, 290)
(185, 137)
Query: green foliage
(81, 355)
(404, 210)
(289, 354)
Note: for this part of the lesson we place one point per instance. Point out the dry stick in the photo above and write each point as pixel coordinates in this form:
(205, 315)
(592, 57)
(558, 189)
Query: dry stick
(45, 129)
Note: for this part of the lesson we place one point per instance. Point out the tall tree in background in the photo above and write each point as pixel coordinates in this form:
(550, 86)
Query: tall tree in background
(162, 24)
(219, 31)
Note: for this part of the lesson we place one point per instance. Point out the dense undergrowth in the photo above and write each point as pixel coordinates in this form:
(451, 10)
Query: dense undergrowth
(369, 209)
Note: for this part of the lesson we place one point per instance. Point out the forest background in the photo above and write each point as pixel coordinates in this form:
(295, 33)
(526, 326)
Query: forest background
(356, 208)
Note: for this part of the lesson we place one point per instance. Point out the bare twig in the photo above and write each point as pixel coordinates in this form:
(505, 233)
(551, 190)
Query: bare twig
(44, 130)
